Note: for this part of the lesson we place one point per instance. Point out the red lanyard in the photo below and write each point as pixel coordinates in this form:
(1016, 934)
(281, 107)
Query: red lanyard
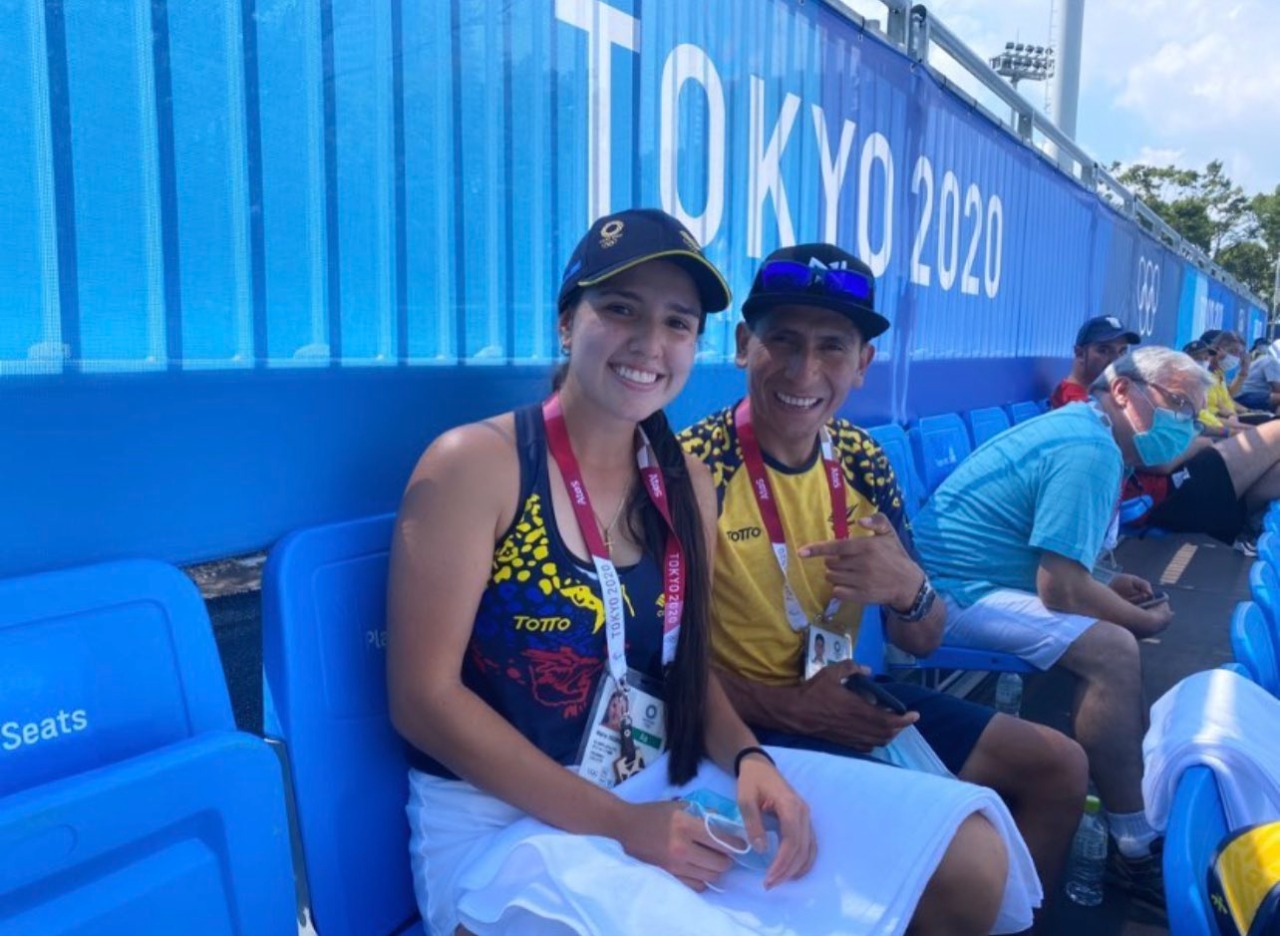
(673, 564)
(768, 504)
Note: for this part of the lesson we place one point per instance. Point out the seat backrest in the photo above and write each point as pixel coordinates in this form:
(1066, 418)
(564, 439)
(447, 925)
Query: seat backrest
(1023, 410)
(1264, 586)
(100, 664)
(869, 650)
(986, 423)
(892, 439)
(940, 444)
(1269, 548)
(128, 802)
(324, 663)
(1253, 641)
(1197, 824)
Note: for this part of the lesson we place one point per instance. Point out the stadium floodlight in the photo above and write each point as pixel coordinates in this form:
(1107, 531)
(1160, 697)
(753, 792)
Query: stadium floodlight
(1023, 61)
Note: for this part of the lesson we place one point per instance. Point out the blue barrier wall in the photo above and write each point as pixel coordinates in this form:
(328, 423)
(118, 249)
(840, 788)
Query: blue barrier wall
(259, 253)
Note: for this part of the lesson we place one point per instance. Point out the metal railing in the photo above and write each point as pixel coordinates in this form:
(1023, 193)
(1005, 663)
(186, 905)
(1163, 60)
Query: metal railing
(915, 30)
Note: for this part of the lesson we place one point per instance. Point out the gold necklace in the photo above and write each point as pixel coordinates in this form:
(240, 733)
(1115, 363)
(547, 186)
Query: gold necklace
(607, 531)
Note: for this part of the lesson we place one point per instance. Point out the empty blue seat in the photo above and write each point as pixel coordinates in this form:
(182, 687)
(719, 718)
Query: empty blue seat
(1253, 641)
(324, 660)
(1197, 825)
(986, 423)
(940, 443)
(128, 801)
(893, 440)
(1022, 411)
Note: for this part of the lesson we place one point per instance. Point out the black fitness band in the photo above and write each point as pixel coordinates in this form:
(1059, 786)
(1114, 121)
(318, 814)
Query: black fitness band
(746, 751)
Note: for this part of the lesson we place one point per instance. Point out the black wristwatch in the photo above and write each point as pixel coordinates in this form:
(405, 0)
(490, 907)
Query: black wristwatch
(920, 607)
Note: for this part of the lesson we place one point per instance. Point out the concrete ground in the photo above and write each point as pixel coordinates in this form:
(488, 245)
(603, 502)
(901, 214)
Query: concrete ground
(1204, 579)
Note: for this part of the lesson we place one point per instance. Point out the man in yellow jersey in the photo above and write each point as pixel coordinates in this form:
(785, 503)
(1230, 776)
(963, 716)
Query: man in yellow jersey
(812, 529)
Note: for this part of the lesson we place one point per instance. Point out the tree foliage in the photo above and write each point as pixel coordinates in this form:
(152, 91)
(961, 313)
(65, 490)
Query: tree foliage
(1241, 233)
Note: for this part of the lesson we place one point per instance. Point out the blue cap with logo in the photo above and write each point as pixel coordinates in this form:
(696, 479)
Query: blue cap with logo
(624, 239)
(1104, 328)
(820, 275)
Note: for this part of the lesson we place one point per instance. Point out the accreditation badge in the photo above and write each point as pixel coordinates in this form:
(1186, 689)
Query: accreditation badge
(625, 732)
(824, 647)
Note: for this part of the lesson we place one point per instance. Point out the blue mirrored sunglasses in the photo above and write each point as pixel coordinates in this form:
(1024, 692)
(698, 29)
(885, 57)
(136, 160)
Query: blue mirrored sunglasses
(790, 276)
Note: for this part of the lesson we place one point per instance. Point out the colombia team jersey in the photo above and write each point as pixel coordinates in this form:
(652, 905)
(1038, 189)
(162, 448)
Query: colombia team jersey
(750, 634)
(537, 651)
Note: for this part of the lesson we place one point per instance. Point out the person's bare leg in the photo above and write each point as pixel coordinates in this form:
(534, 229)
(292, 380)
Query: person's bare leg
(1043, 776)
(1109, 716)
(1251, 456)
(964, 895)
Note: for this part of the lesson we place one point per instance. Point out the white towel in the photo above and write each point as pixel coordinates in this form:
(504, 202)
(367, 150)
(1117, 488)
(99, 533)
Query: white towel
(1223, 721)
(881, 833)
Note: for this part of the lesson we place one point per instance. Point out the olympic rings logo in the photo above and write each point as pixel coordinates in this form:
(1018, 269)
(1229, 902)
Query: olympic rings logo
(1148, 295)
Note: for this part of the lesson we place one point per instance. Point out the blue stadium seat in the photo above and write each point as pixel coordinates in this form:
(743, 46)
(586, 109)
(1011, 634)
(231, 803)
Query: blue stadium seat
(1044, 405)
(893, 440)
(1271, 520)
(1264, 585)
(128, 801)
(986, 423)
(940, 443)
(1239, 669)
(1197, 824)
(1253, 641)
(1269, 549)
(869, 650)
(969, 658)
(324, 660)
(1022, 411)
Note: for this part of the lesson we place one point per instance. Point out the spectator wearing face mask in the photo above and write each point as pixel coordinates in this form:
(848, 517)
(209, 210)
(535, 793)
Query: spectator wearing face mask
(1230, 367)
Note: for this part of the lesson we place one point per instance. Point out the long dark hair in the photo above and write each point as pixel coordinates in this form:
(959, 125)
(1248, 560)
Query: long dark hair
(685, 683)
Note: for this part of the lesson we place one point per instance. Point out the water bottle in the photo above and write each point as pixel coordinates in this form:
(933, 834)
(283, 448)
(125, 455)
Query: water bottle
(1009, 694)
(1088, 857)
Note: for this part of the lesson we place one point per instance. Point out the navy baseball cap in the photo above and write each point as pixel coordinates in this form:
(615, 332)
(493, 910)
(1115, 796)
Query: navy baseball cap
(625, 239)
(1105, 328)
(819, 275)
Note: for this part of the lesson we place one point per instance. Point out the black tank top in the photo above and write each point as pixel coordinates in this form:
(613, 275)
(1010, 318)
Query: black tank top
(537, 650)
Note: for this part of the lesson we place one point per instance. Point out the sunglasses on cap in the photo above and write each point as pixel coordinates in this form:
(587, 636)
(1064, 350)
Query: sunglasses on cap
(790, 276)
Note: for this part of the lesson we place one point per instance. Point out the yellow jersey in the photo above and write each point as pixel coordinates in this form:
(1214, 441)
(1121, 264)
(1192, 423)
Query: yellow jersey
(750, 635)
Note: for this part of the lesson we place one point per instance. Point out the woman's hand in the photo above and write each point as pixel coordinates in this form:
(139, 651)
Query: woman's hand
(761, 789)
(663, 834)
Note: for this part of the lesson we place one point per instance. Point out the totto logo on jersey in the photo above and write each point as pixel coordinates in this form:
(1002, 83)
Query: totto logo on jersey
(746, 533)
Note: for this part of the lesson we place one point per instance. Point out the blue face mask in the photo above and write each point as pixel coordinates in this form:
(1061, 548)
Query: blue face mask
(1168, 437)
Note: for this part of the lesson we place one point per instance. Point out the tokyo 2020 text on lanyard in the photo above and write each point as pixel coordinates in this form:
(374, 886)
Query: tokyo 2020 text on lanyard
(674, 569)
(768, 506)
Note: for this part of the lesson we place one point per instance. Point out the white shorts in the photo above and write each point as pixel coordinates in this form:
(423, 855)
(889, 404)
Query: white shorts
(881, 833)
(1015, 622)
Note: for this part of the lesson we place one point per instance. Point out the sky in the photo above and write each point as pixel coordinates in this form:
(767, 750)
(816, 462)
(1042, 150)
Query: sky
(1162, 81)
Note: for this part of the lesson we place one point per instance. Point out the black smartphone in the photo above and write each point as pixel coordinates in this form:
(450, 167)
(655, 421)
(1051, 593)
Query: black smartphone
(1156, 599)
(873, 692)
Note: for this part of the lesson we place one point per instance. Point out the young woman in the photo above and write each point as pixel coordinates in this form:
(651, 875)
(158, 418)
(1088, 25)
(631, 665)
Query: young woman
(545, 560)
